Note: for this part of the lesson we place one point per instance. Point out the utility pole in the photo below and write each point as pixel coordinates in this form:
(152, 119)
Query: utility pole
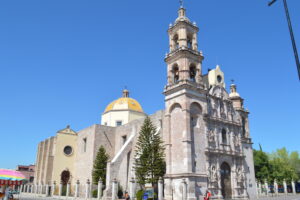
(291, 33)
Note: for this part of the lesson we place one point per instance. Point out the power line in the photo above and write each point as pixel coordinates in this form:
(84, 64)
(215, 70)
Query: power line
(291, 33)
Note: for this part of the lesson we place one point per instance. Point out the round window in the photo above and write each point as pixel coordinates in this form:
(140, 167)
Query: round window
(219, 78)
(68, 150)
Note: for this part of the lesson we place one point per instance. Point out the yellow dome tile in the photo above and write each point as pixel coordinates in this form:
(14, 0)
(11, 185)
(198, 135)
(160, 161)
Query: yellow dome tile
(124, 103)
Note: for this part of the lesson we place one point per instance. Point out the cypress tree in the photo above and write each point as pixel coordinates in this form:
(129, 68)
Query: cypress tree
(150, 157)
(100, 163)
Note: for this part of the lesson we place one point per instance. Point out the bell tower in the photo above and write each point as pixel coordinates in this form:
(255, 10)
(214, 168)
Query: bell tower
(185, 99)
(184, 61)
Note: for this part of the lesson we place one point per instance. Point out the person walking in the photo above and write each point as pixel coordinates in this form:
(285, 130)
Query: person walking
(207, 195)
(127, 197)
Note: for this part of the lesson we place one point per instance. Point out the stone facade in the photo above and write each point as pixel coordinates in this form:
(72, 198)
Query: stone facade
(205, 130)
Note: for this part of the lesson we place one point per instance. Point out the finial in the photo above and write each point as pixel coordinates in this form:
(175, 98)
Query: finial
(181, 3)
(68, 126)
(232, 81)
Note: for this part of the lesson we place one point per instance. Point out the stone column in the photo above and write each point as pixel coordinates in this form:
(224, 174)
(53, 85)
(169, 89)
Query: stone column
(114, 190)
(285, 187)
(184, 190)
(100, 184)
(53, 188)
(68, 189)
(160, 189)
(267, 187)
(293, 187)
(77, 189)
(276, 187)
(60, 189)
(87, 189)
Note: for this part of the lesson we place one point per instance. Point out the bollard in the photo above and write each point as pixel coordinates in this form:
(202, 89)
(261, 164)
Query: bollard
(184, 190)
(285, 186)
(53, 188)
(294, 187)
(267, 188)
(41, 189)
(100, 183)
(21, 188)
(77, 189)
(60, 189)
(132, 188)
(68, 189)
(160, 189)
(87, 189)
(114, 195)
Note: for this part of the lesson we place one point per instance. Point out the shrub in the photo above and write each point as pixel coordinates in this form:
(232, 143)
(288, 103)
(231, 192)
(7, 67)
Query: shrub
(139, 195)
(95, 193)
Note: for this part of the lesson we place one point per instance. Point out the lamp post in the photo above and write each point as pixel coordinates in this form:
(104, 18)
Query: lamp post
(291, 33)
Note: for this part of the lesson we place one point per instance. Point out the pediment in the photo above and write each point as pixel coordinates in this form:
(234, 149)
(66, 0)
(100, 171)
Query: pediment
(67, 130)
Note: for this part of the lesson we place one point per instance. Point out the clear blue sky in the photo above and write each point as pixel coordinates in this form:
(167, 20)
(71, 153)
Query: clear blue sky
(62, 62)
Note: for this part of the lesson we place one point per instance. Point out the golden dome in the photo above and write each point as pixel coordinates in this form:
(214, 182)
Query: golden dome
(124, 103)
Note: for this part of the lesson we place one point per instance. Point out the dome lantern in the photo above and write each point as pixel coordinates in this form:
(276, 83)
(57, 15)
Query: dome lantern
(125, 93)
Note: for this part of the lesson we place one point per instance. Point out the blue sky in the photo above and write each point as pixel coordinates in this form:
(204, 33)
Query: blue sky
(62, 62)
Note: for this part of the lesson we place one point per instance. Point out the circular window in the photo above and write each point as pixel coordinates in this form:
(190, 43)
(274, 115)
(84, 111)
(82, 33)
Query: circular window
(68, 150)
(219, 78)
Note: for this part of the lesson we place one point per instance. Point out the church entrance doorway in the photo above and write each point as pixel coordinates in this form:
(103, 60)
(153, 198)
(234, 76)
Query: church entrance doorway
(64, 177)
(226, 181)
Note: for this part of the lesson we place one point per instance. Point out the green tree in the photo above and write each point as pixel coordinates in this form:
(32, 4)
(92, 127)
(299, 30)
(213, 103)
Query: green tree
(278, 165)
(100, 163)
(295, 162)
(150, 157)
(284, 165)
(261, 165)
(281, 170)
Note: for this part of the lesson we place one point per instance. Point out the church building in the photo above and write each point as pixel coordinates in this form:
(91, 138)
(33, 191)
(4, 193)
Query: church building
(204, 127)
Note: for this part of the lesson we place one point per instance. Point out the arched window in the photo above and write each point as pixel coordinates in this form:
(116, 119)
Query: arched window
(189, 42)
(175, 71)
(224, 136)
(244, 127)
(193, 72)
(176, 43)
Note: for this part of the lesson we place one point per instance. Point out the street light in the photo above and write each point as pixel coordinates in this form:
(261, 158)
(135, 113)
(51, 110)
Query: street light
(291, 33)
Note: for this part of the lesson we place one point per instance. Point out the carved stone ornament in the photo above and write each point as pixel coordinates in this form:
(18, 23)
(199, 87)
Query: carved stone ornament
(239, 175)
(213, 176)
(211, 136)
(236, 141)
